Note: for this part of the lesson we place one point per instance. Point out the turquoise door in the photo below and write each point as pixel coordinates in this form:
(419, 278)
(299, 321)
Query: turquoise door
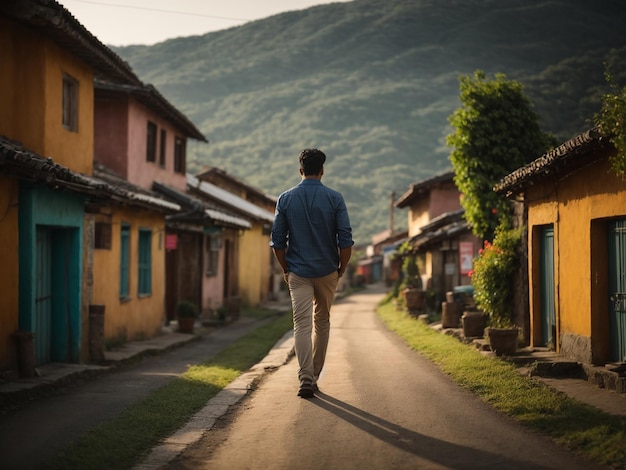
(42, 328)
(548, 316)
(52, 294)
(617, 288)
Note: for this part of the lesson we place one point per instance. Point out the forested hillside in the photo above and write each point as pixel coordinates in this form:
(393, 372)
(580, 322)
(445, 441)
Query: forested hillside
(372, 83)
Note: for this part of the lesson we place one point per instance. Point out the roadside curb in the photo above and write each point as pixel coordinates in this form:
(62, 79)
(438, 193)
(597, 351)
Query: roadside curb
(53, 376)
(204, 420)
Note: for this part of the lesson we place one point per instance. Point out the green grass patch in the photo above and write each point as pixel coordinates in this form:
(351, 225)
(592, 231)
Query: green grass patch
(580, 428)
(124, 441)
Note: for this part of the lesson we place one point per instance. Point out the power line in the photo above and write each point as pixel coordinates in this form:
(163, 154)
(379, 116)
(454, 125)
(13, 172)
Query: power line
(131, 7)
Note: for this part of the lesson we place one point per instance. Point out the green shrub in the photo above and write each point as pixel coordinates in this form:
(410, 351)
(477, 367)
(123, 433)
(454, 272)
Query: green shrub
(186, 309)
(492, 276)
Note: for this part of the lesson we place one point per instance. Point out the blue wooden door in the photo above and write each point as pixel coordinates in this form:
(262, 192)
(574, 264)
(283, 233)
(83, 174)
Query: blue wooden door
(617, 288)
(548, 316)
(42, 327)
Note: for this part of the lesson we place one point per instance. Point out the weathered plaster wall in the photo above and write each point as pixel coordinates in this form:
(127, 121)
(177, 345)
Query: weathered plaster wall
(138, 317)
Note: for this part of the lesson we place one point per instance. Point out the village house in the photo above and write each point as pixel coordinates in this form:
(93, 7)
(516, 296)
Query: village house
(575, 210)
(439, 234)
(209, 234)
(254, 259)
(142, 138)
(255, 254)
(49, 62)
(82, 143)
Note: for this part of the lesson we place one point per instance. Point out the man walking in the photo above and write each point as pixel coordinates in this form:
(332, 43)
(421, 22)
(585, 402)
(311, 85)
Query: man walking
(312, 241)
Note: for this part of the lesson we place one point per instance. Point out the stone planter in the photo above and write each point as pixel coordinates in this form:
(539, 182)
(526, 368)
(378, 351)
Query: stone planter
(473, 324)
(186, 324)
(502, 341)
(450, 314)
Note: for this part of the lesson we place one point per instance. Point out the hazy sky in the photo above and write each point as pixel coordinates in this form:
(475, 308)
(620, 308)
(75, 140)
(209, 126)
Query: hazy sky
(124, 22)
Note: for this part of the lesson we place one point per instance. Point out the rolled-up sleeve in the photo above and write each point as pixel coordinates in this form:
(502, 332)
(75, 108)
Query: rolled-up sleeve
(344, 230)
(278, 237)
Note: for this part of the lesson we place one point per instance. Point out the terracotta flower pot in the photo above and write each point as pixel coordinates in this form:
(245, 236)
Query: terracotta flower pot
(186, 324)
(414, 299)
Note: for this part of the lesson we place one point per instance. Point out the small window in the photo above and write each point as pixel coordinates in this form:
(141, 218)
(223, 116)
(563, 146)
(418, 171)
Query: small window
(145, 262)
(124, 261)
(179, 155)
(162, 145)
(70, 103)
(151, 142)
(213, 245)
(102, 236)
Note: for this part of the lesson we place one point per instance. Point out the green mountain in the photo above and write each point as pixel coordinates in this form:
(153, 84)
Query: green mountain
(372, 83)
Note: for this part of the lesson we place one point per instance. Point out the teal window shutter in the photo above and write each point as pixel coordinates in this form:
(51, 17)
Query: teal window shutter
(145, 262)
(124, 260)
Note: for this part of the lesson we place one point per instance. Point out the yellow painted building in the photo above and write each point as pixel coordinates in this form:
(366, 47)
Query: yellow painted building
(576, 215)
(48, 64)
(254, 258)
(137, 310)
(34, 70)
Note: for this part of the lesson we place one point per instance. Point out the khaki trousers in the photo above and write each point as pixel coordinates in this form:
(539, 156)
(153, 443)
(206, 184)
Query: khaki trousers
(311, 299)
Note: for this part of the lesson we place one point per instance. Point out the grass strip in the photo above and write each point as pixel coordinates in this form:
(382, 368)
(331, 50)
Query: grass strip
(580, 428)
(123, 442)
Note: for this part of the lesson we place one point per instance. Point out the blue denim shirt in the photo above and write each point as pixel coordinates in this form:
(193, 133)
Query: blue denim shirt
(312, 222)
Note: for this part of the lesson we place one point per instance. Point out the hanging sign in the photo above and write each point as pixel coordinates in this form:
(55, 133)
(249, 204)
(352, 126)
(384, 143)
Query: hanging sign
(171, 241)
(466, 257)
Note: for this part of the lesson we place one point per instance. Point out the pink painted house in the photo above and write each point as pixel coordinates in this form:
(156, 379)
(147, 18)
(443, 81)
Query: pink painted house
(142, 138)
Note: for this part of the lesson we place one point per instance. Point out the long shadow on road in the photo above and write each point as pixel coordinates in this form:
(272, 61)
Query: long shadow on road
(435, 450)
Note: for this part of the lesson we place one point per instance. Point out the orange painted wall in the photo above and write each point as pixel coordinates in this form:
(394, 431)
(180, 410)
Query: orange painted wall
(574, 205)
(137, 317)
(31, 82)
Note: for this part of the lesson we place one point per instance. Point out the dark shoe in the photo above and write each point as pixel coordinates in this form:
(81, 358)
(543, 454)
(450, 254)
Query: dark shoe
(315, 387)
(306, 389)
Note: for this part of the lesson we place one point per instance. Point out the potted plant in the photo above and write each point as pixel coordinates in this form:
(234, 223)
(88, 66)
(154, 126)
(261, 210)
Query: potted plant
(411, 287)
(492, 279)
(186, 314)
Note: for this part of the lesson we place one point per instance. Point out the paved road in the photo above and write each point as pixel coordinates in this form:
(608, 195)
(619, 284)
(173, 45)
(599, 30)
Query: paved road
(34, 435)
(381, 406)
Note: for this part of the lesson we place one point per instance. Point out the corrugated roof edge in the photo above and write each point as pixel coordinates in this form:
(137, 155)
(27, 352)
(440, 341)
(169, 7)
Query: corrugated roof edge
(230, 199)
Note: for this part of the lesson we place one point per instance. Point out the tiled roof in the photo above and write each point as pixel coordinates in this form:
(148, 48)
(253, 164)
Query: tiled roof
(137, 193)
(19, 162)
(150, 97)
(52, 19)
(440, 228)
(422, 188)
(564, 159)
(231, 200)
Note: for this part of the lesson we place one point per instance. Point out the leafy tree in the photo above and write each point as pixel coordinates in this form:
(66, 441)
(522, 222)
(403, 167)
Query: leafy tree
(611, 121)
(496, 132)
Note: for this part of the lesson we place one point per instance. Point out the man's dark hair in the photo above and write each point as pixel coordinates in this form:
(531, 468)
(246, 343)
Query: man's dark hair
(312, 161)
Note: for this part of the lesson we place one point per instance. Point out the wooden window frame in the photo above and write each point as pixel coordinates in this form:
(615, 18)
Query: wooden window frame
(124, 261)
(69, 105)
(151, 141)
(162, 148)
(213, 245)
(103, 234)
(144, 258)
(179, 155)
